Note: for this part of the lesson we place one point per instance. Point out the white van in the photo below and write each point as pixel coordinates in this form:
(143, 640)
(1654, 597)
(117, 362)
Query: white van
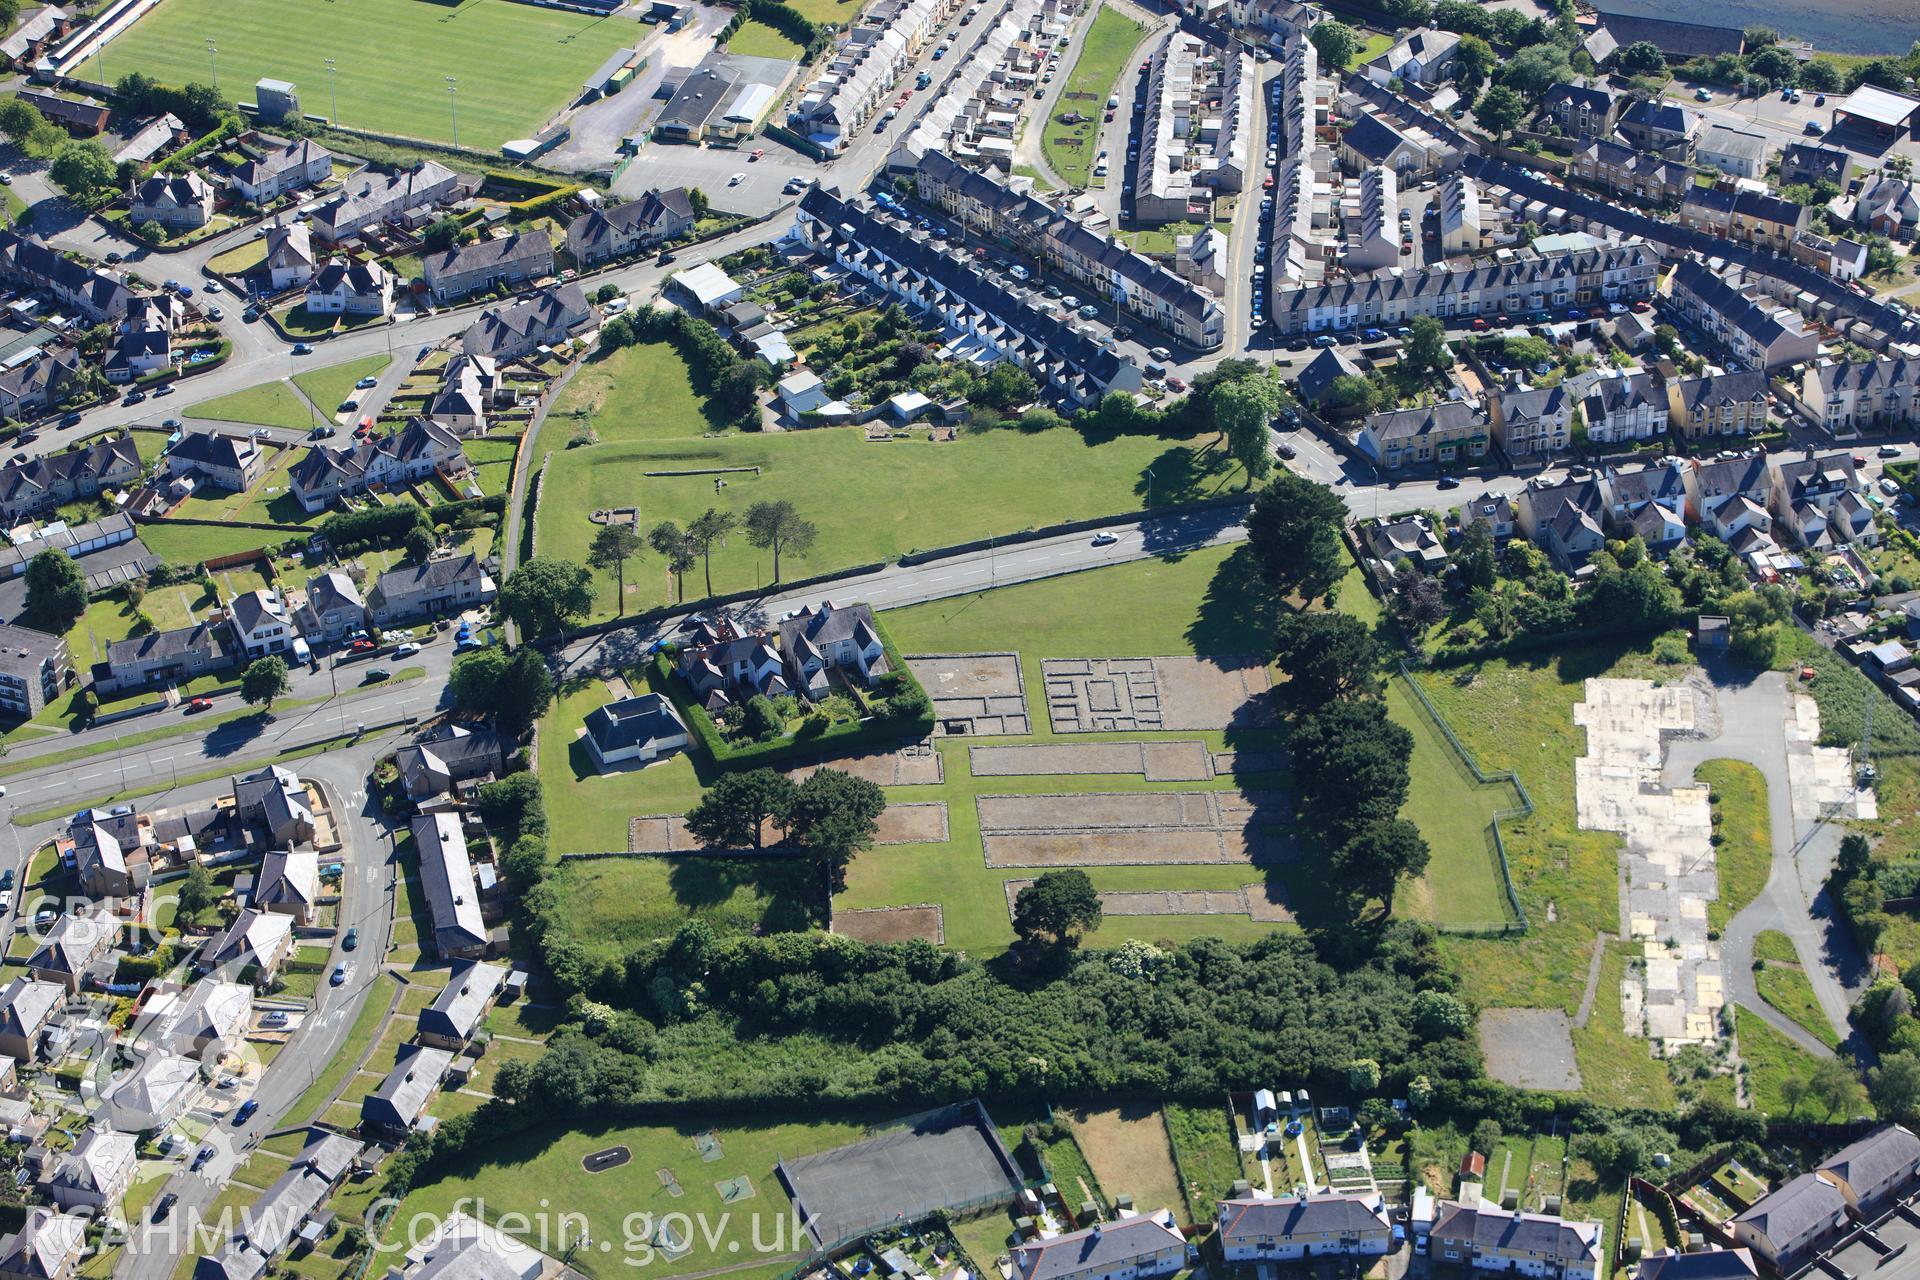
(301, 653)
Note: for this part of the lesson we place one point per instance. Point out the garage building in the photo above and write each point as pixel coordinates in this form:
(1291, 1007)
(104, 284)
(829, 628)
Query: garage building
(1881, 112)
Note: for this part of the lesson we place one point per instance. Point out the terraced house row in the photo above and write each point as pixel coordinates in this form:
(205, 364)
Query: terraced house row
(1530, 282)
(1112, 271)
(982, 319)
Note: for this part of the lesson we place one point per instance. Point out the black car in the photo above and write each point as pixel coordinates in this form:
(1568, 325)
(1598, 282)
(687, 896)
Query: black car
(1449, 482)
(164, 1205)
(134, 397)
(71, 420)
(664, 259)
(1286, 450)
(6, 878)
(113, 259)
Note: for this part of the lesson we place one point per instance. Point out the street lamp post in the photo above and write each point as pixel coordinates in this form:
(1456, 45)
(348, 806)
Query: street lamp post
(453, 105)
(333, 99)
(213, 61)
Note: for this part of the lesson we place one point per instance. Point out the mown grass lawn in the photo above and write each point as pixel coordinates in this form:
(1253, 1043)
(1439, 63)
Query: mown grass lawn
(271, 404)
(1103, 56)
(329, 386)
(642, 392)
(1463, 886)
(870, 502)
(521, 1172)
(758, 40)
(393, 55)
(1196, 604)
(1745, 853)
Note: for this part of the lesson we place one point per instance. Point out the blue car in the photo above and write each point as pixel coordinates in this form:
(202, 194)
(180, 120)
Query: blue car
(1374, 335)
(1325, 340)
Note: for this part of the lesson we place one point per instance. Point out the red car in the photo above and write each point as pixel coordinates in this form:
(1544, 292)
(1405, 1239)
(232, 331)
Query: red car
(1267, 182)
(199, 704)
(757, 153)
(364, 646)
(1479, 323)
(1642, 306)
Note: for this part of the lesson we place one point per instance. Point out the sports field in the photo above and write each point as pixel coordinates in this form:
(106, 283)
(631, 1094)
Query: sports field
(515, 64)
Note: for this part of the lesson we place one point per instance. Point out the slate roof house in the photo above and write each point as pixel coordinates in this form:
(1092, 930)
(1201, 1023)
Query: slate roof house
(1719, 404)
(456, 1013)
(1631, 406)
(213, 1011)
(420, 449)
(34, 386)
(110, 854)
(1130, 1248)
(350, 288)
(96, 293)
(1530, 1244)
(512, 261)
(34, 486)
(1752, 331)
(177, 202)
(1567, 521)
(165, 656)
(281, 168)
(289, 883)
(233, 463)
(1746, 217)
(71, 946)
(27, 1005)
(1714, 1263)
(638, 730)
(544, 319)
(1863, 393)
(446, 878)
(449, 584)
(332, 607)
(48, 1246)
(370, 199)
(1439, 433)
(603, 234)
(154, 1094)
(818, 638)
(393, 1109)
(1293, 1228)
(1528, 422)
(274, 799)
(1582, 110)
(254, 947)
(448, 755)
(1818, 500)
(96, 1173)
(1654, 124)
(290, 261)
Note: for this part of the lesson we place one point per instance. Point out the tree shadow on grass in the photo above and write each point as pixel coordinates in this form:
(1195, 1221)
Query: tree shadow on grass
(1187, 474)
(1238, 612)
(786, 884)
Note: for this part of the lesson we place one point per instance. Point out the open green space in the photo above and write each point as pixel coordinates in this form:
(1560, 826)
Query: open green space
(271, 404)
(1103, 56)
(329, 386)
(1200, 603)
(1207, 1154)
(1617, 1068)
(393, 58)
(1372, 45)
(177, 543)
(641, 392)
(1517, 714)
(756, 39)
(243, 258)
(514, 1174)
(1744, 854)
(1783, 984)
(1463, 887)
(1771, 1060)
(869, 501)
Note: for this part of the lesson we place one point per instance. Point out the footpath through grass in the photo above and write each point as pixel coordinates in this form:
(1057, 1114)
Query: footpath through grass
(1104, 55)
(514, 64)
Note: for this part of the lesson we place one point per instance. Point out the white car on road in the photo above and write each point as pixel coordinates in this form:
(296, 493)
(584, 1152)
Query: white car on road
(1105, 538)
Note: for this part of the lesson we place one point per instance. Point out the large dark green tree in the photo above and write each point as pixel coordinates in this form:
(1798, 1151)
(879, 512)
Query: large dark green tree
(1057, 907)
(834, 816)
(264, 680)
(544, 595)
(1372, 863)
(56, 591)
(1294, 532)
(738, 808)
(1327, 656)
(1350, 768)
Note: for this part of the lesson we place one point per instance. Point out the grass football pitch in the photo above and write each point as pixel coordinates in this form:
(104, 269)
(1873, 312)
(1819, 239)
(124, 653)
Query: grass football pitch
(514, 64)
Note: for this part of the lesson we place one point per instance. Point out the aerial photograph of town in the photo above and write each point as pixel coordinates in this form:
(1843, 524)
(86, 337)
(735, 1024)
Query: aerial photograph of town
(959, 640)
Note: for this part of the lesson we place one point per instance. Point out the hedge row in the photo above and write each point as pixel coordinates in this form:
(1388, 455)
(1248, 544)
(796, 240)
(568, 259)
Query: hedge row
(378, 525)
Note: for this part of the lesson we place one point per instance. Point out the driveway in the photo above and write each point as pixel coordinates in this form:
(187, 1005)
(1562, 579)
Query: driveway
(1753, 713)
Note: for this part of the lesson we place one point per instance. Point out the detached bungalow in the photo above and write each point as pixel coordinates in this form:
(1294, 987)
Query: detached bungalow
(634, 730)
